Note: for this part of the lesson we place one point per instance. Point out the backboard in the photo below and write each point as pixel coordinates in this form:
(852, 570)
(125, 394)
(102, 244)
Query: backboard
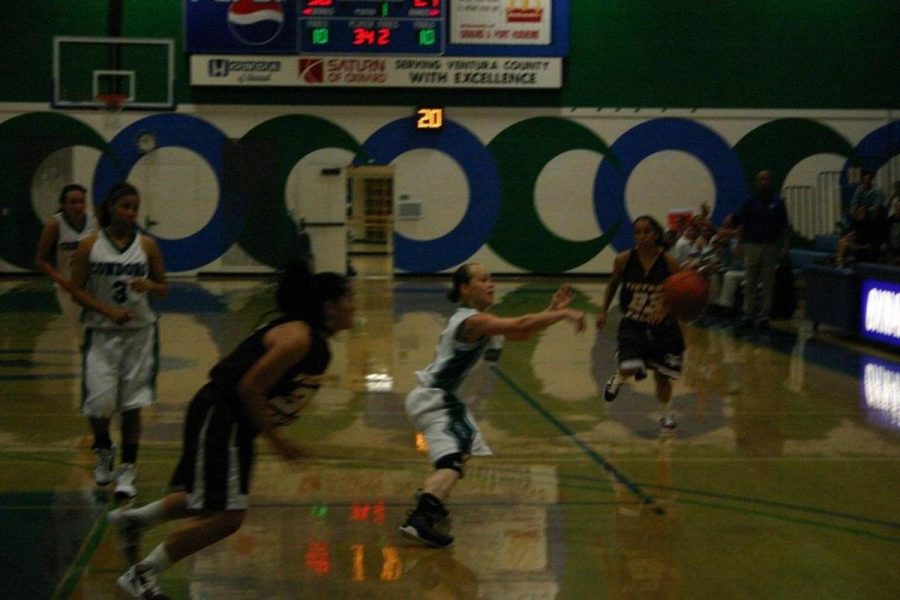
(85, 69)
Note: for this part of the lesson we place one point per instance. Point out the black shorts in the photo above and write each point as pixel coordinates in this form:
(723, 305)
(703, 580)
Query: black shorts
(643, 346)
(217, 455)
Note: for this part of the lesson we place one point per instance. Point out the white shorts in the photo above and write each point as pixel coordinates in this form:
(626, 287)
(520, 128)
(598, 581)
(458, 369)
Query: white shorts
(119, 370)
(446, 423)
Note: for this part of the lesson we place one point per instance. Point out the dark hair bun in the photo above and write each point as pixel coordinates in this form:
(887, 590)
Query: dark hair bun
(302, 295)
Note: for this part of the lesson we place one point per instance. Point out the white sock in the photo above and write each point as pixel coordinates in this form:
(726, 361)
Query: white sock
(149, 514)
(158, 560)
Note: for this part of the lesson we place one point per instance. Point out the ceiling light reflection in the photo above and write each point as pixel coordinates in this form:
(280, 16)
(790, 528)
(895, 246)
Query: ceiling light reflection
(379, 382)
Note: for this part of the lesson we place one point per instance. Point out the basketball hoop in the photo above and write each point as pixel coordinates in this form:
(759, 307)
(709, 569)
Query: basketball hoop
(112, 109)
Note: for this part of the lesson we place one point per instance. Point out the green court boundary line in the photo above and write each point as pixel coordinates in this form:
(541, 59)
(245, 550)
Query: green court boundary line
(34, 456)
(632, 487)
(785, 505)
(85, 553)
(82, 559)
(823, 512)
(797, 520)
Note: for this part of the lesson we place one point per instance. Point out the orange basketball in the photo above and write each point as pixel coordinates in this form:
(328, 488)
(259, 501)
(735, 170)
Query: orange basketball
(686, 294)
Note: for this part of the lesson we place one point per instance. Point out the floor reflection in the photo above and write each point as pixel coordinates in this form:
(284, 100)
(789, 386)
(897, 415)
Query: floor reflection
(783, 473)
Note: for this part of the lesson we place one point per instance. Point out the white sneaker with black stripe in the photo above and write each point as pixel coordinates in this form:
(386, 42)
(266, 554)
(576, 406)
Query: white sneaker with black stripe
(125, 478)
(421, 528)
(140, 582)
(103, 470)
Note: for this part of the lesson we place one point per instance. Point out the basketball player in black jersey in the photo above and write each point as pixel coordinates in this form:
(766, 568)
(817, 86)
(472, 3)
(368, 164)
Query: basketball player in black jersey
(281, 359)
(649, 337)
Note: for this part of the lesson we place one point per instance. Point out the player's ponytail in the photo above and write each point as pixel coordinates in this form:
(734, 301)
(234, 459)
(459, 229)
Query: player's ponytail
(302, 295)
(460, 278)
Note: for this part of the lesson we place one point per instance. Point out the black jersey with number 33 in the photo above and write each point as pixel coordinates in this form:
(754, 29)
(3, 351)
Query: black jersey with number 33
(642, 292)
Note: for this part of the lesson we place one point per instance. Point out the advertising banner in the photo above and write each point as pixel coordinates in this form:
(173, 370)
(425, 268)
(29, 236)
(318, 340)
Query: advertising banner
(880, 311)
(525, 22)
(383, 72)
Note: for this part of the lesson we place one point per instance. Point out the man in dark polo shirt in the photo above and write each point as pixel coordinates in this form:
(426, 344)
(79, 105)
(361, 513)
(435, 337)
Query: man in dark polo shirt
(764, 234)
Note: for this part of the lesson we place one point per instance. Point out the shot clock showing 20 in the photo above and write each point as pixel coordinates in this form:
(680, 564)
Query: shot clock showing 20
(372, 26)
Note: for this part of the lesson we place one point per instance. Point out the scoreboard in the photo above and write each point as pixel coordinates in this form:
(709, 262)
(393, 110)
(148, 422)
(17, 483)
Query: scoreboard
(378, 27)
(371, 26)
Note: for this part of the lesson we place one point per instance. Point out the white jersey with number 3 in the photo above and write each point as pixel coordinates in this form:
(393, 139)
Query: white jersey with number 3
(110, 273)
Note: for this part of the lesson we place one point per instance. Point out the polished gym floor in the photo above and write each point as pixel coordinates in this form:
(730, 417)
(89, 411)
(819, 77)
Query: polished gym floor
(782, 479)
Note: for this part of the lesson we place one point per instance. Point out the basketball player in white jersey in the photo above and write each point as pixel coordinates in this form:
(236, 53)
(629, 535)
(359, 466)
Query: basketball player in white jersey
(113, 272)
(61, 235)
(434, 406)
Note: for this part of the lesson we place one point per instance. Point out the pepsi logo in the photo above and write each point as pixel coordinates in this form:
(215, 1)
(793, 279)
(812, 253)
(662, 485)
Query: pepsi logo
(255, 22)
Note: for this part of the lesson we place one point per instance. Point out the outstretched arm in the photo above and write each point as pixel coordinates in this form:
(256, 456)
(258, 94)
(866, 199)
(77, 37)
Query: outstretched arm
(519, 328)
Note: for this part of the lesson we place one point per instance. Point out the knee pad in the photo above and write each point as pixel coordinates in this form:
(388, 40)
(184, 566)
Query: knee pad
(451, 461)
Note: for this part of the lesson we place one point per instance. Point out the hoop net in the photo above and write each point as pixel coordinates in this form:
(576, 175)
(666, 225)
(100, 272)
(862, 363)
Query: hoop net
(112, 108)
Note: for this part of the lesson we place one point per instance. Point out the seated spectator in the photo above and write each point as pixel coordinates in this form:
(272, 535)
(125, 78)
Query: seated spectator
(689, 247)
(707, 231)
(721, 258)
(866, 194)
(865, 239)
(702, 218)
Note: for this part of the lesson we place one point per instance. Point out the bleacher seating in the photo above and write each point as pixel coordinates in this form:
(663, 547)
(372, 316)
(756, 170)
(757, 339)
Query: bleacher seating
(801, 258)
